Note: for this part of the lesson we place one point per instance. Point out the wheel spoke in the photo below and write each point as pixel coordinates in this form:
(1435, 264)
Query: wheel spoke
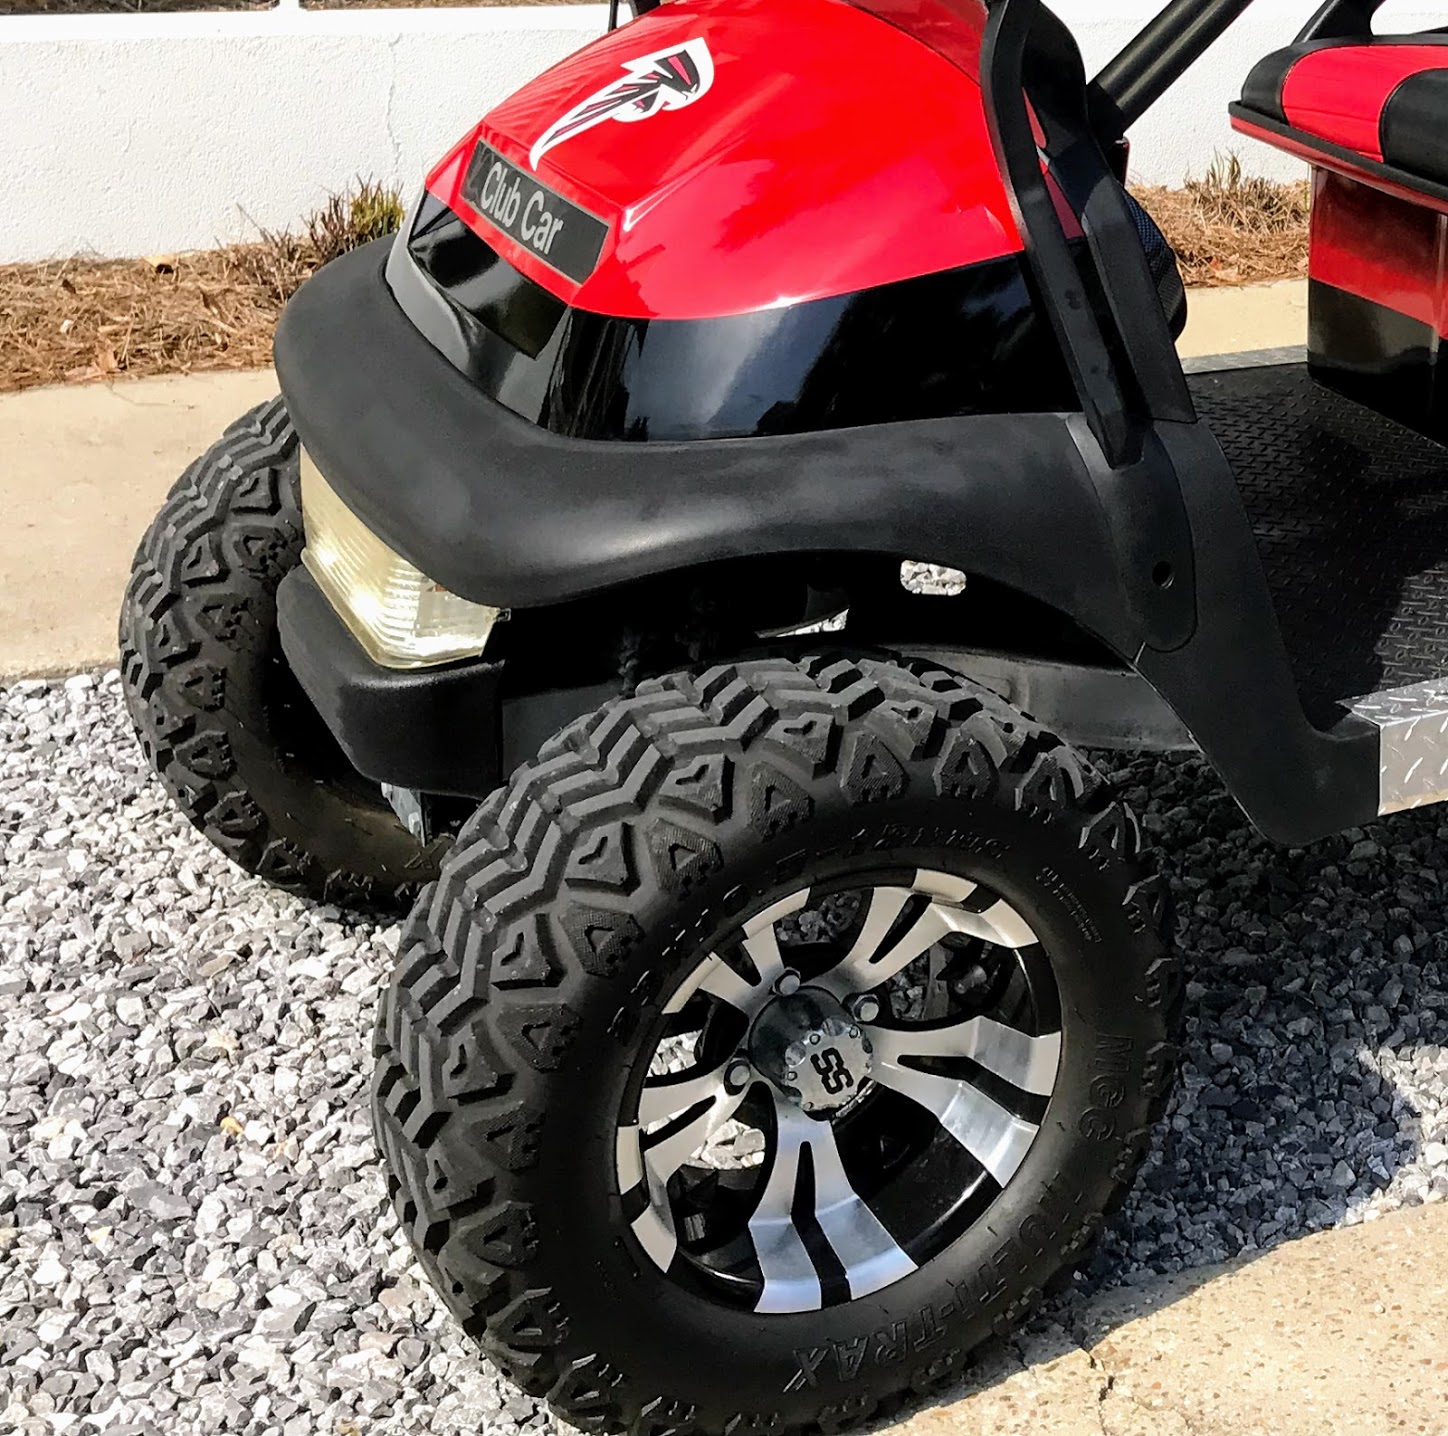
(816, 1238)
(666, 1096)
(763, 950)
(996, 1138)
(715, 977)
(791, 1282)
(652, 1158)
(865, 966)
(666, 1151)
(854, 971)
(869, 1254)
(1026, 1062)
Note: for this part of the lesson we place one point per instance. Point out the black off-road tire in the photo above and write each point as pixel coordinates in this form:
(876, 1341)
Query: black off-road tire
(576, 899)
(218, 712)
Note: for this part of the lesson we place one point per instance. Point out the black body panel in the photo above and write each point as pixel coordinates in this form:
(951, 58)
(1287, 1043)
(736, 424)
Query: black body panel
(1380, 357)
(502, 511)
(963, 341)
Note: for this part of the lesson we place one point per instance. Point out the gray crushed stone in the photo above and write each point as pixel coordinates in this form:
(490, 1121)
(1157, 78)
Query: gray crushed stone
(193, 1227)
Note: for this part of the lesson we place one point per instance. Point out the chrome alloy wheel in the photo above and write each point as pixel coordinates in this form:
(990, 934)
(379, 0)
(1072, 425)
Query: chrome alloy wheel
(841, 1088)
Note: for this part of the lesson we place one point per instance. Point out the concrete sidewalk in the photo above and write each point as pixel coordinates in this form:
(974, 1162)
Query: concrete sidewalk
(86, 467)
(1339, 1334)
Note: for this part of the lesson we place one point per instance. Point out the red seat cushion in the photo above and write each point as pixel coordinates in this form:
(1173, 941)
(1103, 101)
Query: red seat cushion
(1384, 98)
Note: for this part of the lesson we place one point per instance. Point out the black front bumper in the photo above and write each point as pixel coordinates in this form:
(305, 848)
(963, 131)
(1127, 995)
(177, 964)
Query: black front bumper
(438, 730)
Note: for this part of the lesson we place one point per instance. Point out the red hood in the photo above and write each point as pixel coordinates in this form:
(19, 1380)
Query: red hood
(828, 152)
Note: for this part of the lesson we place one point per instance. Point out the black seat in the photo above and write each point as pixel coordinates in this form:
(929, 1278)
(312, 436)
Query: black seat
(1383, 99)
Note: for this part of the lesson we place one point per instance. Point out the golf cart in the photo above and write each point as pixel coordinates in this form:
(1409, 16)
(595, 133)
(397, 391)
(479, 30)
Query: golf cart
(786, 1000)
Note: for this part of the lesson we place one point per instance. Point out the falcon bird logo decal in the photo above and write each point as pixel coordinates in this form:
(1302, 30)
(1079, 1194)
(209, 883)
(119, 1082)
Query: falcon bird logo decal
(666, 80)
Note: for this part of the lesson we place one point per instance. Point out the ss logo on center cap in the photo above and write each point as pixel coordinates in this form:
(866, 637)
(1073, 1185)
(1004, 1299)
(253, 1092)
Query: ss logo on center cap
(833, 1072)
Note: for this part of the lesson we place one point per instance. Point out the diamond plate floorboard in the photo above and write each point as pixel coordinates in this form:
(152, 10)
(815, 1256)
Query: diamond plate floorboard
(1350, 511)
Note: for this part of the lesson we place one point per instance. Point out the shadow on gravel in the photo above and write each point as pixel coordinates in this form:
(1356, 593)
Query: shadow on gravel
(1314, 1082)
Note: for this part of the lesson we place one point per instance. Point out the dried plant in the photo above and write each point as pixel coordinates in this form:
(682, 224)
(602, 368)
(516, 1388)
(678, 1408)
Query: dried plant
(214, 309)
(1233, 228)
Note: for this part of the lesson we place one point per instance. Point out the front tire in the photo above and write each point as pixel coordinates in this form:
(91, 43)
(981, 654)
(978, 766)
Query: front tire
(655, 892)
(218, 713)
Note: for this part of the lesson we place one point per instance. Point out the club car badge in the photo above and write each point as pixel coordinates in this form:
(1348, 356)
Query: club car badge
(665, 80)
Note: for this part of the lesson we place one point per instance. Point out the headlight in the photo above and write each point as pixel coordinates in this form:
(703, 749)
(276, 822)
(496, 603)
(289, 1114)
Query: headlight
(395, 611)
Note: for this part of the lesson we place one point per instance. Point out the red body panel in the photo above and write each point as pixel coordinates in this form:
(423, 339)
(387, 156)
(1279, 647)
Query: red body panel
(834, 150)
(1382, 249)
(1339, 93)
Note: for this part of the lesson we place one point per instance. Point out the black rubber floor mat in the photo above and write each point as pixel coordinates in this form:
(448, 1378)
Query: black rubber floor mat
(1351, 516)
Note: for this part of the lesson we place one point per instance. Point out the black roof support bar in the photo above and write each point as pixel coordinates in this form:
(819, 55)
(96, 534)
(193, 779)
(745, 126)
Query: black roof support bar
(1170, 44)
(1126, 376)
(1341, 20)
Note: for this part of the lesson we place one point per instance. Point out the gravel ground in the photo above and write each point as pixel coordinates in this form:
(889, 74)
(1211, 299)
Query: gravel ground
(193, 1233)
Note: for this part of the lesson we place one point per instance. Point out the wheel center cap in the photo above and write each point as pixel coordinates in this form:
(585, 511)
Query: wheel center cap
(812, 1050)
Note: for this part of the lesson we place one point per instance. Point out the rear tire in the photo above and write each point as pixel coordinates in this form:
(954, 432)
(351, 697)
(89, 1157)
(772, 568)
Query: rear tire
(217, 710)
(537, 976)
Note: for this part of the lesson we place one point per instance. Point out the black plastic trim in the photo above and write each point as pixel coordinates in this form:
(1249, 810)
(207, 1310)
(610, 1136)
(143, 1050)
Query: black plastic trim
(1007, 39)
(1296, 782)
(1232, 685)
(502, 511)
(1356, 164)
(1340, 20)
(1088, 705)
(1055, 79)
(434, 729)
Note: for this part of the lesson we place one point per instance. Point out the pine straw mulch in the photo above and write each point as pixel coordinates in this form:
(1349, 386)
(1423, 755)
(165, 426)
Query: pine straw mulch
(81, 319)
(1231, 228)
(77, 319)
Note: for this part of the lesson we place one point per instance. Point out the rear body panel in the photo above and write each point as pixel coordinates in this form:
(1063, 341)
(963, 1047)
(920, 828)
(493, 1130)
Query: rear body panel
(1378, 276)
(1378, 302)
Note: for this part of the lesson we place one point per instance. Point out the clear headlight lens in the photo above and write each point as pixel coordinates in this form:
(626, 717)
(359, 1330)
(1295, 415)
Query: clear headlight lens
(395, 611)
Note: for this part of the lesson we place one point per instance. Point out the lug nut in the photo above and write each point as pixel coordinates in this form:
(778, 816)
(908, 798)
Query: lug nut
(736, 1076)
(864, 1008)
(787, 983)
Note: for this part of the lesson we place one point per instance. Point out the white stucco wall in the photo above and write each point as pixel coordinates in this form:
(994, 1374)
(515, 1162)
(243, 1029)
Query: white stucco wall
(129, 134)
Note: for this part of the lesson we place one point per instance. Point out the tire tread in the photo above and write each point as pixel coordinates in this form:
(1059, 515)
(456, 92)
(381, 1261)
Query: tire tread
(652, 772)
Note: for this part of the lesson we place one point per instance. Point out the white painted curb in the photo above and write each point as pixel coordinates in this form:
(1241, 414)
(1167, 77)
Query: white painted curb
(129, 134)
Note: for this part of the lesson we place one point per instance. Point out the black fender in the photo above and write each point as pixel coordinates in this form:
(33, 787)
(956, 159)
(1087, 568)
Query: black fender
(1155, 559)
